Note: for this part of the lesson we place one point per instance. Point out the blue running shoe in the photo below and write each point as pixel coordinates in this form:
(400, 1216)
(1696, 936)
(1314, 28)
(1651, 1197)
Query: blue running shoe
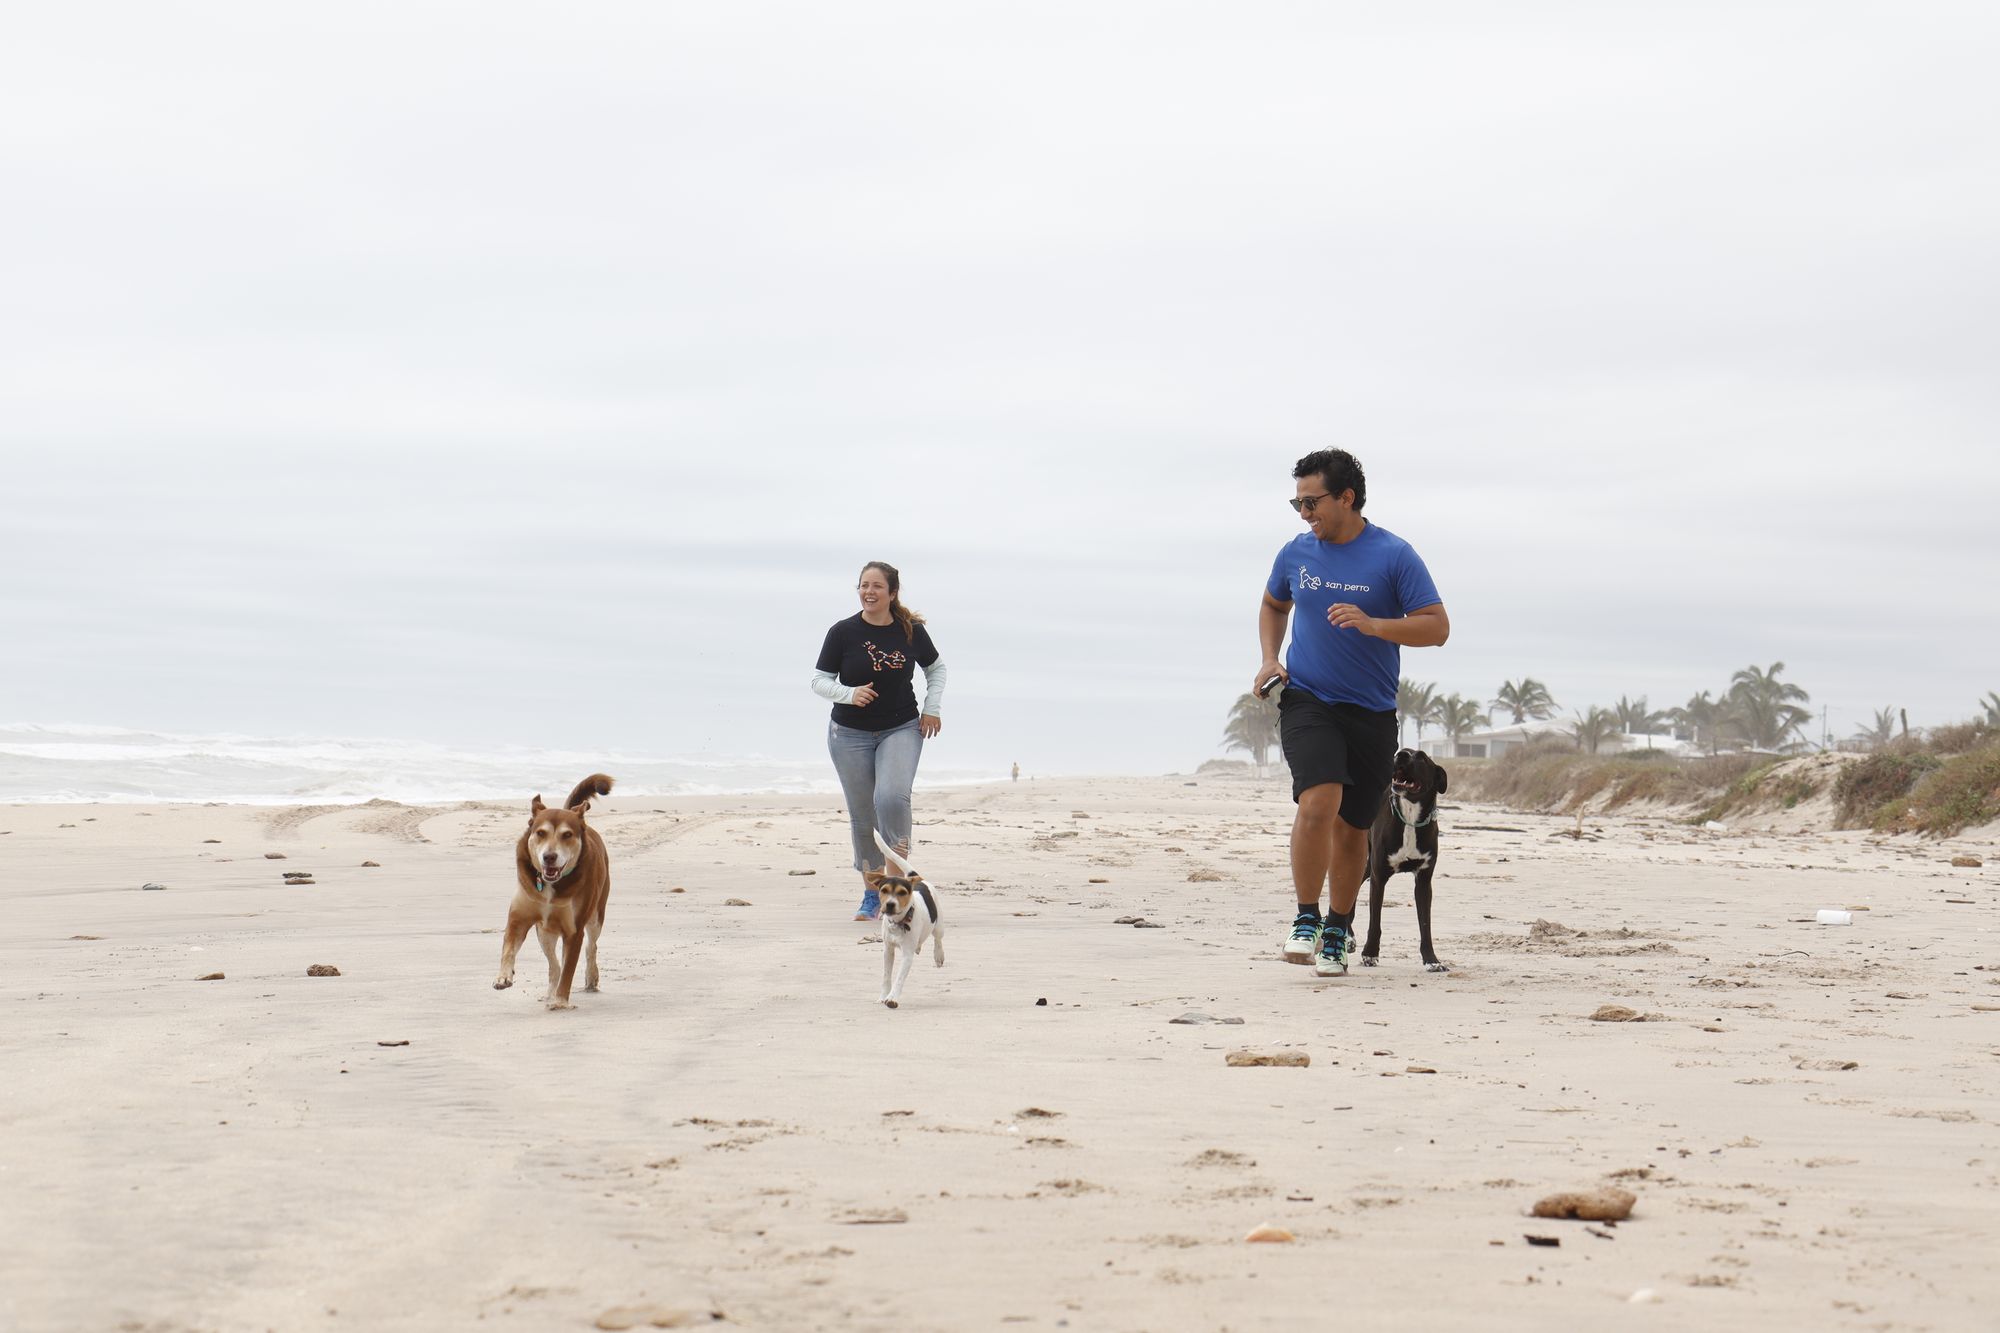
(871, 906)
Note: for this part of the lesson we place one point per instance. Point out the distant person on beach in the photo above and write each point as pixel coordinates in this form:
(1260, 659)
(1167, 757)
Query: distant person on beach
(867, 670)
(1017, 772)
(1362, 595)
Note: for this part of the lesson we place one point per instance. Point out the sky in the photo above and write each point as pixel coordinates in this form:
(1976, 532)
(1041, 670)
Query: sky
(543, 374)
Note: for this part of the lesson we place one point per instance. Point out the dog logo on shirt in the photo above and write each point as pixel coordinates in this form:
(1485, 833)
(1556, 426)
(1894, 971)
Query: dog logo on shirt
(1313, 582)
(881, 661)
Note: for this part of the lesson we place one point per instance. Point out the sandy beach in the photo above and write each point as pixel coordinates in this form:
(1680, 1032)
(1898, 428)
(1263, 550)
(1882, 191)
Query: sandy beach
(1809, 1115)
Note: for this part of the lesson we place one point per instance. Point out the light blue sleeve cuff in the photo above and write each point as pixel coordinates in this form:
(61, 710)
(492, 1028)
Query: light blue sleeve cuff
(933, 689)
(827, 686)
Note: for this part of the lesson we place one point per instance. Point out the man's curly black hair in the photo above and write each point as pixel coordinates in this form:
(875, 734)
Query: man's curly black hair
(1340, 470)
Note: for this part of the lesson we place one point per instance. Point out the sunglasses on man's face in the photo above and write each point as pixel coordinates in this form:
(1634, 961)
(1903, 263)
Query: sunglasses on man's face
(1305, 504)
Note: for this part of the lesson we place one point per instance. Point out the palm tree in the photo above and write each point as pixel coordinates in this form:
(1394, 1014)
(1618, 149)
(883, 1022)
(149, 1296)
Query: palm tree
(1415, 700)
(1702, 716)
(1525, 698)
(1879, 732)
(1456, 716)
(1635, 718)
(1991, 703)
(1763, 709)
(1253, 726)
(1594, 728)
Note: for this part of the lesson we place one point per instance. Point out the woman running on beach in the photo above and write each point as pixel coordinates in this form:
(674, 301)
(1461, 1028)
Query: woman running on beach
(867, 669)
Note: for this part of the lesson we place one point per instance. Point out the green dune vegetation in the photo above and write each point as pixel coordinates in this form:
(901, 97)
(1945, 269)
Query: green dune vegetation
(1749, 756)
(1940, 782)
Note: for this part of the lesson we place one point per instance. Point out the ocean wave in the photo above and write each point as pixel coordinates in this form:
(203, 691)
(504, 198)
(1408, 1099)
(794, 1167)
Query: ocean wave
(42, 764)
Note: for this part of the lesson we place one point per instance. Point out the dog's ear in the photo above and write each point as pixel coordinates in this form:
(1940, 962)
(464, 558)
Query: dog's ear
(537, 807)
(874, 878)
(580, 807)
(1441, 781)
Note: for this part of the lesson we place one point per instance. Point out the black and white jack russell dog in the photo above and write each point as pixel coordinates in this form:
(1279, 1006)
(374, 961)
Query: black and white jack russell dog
(909, 917)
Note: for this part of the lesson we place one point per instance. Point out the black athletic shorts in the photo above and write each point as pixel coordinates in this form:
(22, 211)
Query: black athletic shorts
(1343, 743)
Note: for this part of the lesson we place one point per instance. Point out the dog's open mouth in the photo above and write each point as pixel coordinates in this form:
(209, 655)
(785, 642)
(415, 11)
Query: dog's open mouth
(1402, 784)
(550, 874)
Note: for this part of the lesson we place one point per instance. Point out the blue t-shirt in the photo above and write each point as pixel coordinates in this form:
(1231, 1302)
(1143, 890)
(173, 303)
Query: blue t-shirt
(1378, 572)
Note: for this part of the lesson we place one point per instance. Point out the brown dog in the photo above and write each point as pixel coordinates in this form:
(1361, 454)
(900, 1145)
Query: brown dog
(565, 880)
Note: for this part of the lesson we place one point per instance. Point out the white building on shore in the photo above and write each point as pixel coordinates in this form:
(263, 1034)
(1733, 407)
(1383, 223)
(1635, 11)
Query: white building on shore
(1496, 741)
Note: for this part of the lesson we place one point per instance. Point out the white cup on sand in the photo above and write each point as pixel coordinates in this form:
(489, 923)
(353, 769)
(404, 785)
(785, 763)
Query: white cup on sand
(1833, 916)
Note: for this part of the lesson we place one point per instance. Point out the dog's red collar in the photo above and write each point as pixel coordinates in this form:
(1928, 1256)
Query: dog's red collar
(904, 921)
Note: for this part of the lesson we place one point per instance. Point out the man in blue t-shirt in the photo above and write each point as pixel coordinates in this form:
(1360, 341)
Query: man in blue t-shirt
(1362, 595)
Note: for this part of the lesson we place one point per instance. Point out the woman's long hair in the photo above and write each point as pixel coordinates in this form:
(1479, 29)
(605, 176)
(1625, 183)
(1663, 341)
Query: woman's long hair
(903, 615)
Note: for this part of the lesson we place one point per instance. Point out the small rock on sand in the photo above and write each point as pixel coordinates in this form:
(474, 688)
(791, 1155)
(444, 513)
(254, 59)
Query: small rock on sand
(1204, 877)
(1616, 1013)
(153, 888)
(736, 902)
(322, 970)
(1967, 862)
(274, 856)
(213, 976)
(1605, 1204)
(1098, 879)
(371, 865)
(392, 1043)
(1278, 1059)
(1197, 1018)
(211, 840)
(802, 872)
(1268, 1234)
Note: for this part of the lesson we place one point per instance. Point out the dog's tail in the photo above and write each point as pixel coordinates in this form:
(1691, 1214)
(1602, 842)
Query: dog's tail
(894, 859)
(595, 785)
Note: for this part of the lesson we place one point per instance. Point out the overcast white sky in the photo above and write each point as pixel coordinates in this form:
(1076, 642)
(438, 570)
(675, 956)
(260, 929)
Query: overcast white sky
(503, 373)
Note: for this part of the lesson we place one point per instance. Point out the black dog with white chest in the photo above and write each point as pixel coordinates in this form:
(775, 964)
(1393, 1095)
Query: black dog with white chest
(1405, 837)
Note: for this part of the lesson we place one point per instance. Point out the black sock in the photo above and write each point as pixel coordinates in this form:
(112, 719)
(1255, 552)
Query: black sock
(1309, 909)
(1345, 920)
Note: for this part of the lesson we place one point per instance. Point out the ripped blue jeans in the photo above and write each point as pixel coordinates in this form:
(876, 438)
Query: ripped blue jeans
(877, 770)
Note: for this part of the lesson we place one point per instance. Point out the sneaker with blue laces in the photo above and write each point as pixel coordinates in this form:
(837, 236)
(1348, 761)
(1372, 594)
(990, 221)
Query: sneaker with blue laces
(1336, 942)
(871, 906)
(1304, 942)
